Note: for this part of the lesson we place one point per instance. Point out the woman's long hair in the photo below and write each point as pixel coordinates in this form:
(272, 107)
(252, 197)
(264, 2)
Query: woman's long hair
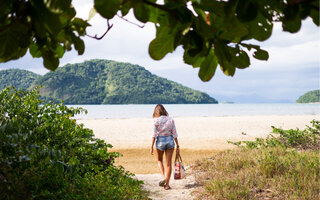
(159, 110)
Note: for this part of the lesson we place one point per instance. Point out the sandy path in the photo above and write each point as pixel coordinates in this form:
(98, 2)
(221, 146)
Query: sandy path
(194, 133)
(180, 189)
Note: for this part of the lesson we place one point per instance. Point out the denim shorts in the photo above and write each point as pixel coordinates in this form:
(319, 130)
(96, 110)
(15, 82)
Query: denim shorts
(164, 142)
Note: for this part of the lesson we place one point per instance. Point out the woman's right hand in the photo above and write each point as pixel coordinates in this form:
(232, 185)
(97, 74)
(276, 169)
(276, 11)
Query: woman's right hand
(151, 150)
(178, 149)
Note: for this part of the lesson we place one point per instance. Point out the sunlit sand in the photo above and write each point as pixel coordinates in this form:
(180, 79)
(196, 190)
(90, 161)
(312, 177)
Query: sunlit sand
(199, 137)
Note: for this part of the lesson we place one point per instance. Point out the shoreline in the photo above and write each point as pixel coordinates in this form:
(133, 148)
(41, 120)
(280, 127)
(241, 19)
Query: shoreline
(194, 132)
(204, 116)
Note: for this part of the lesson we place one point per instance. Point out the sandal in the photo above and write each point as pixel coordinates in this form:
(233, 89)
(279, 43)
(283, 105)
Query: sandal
(166, 188)
(162, 183)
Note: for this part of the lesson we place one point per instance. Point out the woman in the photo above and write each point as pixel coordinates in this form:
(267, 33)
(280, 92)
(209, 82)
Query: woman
(164, 135)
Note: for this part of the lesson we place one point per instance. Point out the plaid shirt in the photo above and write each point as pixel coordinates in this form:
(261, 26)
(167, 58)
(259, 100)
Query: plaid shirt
(164, 126)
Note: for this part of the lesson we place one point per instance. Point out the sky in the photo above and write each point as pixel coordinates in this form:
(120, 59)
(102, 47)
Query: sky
(293, 67)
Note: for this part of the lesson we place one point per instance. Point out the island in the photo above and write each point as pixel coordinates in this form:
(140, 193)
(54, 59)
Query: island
(100, 81)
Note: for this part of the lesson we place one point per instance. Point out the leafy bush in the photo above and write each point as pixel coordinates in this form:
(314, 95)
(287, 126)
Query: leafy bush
(283, 167)
(308, 138)
(45, 154)
(265, 173)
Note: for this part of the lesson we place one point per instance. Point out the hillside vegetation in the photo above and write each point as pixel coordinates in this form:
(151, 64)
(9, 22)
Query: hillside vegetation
(111, 82)
(310, 97)
(18, 78)
(282, 167)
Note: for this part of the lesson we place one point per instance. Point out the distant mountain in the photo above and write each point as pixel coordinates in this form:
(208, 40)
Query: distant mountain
(18, 78)
(110, 82)
(310, 97)
(252, 98)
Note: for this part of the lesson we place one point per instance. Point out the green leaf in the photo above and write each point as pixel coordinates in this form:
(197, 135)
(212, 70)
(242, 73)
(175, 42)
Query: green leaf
(14, 40)
(261, 54)
(305, 11)
(50, 61)
(107, 8)
(208, 66)
(162, 44)
(44, 19)
(80, 25)
(203, 29)
(92, 13)
(157, 15)
(314, 14)
(57, 6)
(195, 43)
(60, 51)
(242, 60)
(200, 13)
(34, 50)
(260, 28)
(78, 45)
(141, 12)
(232, 30)
(291, 26)
(250, 46)
(246, 10)
(216, 7)
(291, 12)
(52, 23)
(195, 60)
(67, 16)
(225, 58)
(125, 8)
(228, 70)
(291, 21)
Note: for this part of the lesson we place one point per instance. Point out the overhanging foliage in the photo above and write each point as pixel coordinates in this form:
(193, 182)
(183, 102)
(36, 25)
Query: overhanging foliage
(211, 32)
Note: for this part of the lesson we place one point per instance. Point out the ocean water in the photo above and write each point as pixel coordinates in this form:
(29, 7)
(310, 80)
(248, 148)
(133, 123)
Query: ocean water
(196, 110)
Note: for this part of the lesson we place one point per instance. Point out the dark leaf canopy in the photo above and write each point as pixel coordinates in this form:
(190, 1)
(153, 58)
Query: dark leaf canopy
(211, 32)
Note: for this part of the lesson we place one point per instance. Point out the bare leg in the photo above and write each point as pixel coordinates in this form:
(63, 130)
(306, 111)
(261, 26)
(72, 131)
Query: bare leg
(169, 153)
(160, 162)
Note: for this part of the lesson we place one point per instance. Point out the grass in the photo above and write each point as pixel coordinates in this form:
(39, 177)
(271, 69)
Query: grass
(259, 173)
(284, 167)
(139, 161)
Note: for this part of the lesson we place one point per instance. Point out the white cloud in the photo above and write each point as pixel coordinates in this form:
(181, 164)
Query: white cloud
(293, 65)
(290, 57)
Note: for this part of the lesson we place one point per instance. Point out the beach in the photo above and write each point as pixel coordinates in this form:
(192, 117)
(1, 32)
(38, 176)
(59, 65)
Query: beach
(193, 132)
(199, 137)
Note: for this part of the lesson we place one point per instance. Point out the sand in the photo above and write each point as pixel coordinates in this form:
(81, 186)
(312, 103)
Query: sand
(193, 132)
(180, 189)
(199, 137)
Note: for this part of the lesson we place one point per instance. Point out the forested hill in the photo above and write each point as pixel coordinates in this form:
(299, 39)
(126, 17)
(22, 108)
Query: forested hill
(17, 77)
(110, 82)
(310, 97)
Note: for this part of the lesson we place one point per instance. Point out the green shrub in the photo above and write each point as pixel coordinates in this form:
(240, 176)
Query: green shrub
(308, 138)
(265, 173)
(45, 154)
(283, 167)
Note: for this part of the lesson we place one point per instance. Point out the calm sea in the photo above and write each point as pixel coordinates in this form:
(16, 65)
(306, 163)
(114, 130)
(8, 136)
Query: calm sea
(197, 110)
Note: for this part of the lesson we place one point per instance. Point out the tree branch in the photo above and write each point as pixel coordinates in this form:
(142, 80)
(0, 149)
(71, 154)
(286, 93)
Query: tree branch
(99, 38)
(121, 17)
